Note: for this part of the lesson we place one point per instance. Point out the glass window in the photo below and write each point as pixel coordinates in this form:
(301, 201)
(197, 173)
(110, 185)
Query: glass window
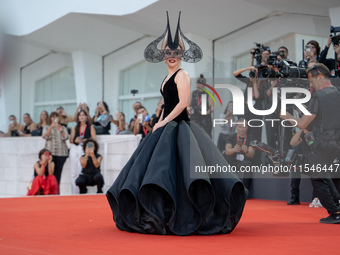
(146, 78)
(57, 89)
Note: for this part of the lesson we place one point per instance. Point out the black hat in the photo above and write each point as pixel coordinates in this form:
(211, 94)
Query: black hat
(155, 55)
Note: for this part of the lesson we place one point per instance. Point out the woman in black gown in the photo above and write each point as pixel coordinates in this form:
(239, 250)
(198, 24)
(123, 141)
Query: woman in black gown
(158, 190)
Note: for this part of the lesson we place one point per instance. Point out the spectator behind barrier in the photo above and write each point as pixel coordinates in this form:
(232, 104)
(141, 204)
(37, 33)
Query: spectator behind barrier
(44, 121)
(30, 125)
(14, 128)
(122, 126)
(142, 123)
(135, 107)
(64, 118)
(102, 110)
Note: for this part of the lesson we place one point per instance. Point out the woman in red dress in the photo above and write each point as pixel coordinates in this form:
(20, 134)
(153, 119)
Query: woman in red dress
(44, 183)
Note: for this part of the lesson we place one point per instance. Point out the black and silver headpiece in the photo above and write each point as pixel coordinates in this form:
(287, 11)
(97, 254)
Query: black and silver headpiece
(155, 55)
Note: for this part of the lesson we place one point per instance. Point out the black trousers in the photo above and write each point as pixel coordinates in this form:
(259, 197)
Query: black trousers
(321, 181)
(295, 184)
(59, 162)
(90, 180)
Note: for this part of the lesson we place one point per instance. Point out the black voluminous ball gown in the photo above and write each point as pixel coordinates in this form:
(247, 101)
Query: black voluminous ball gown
(158, 191)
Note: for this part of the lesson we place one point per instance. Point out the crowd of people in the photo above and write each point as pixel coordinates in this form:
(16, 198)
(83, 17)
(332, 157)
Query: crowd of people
(233, 141)
(322, 78)
(84, 160)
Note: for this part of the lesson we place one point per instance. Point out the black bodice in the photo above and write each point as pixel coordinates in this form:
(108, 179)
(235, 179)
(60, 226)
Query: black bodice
(171, 99)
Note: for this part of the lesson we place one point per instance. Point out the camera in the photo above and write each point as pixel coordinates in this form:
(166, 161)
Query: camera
(290, 158)
(291, 76)
(134, 92)
(335, 37)
(258, 51)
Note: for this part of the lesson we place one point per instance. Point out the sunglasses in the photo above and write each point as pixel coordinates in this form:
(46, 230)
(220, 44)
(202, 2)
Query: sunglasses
(315, 68)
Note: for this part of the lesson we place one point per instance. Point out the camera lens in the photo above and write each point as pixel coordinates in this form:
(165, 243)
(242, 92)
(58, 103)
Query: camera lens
(252, 74)
(264, 73)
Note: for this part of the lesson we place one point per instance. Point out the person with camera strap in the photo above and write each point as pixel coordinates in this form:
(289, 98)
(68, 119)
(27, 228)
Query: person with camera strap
(326, 138)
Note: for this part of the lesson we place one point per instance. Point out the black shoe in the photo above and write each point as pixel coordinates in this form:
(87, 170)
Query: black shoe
(331, 219)
(294, 201)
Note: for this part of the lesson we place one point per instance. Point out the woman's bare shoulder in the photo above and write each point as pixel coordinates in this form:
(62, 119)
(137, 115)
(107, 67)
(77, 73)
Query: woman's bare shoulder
(182, 75)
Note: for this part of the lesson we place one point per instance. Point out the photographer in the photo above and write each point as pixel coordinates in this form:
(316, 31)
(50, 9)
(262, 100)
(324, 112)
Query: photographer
(90, 163)
(228, 128)
(238, 152)
(325, 135)
(264, 55)
(282, 54)
(332, 64)
(142, 123)
(259, 94)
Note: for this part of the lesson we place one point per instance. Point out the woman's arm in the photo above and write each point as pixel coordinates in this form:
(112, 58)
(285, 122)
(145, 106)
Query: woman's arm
(64, 133)
(96, 161)
(83, 161)
(136, 127)
(161, 117)
(324, 52)
(255, 87)
(50, 167)
(116, 122)
(21, 129)
(239, 71)
(70, 118)
(252, 55)
(9, 131)
(33, 126)
(77, 110)
(47, 131)
(96, 115)
(39, 170)
(93, 134)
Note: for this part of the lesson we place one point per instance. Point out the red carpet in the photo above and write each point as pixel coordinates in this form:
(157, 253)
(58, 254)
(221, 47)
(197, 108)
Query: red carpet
(83, 225)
